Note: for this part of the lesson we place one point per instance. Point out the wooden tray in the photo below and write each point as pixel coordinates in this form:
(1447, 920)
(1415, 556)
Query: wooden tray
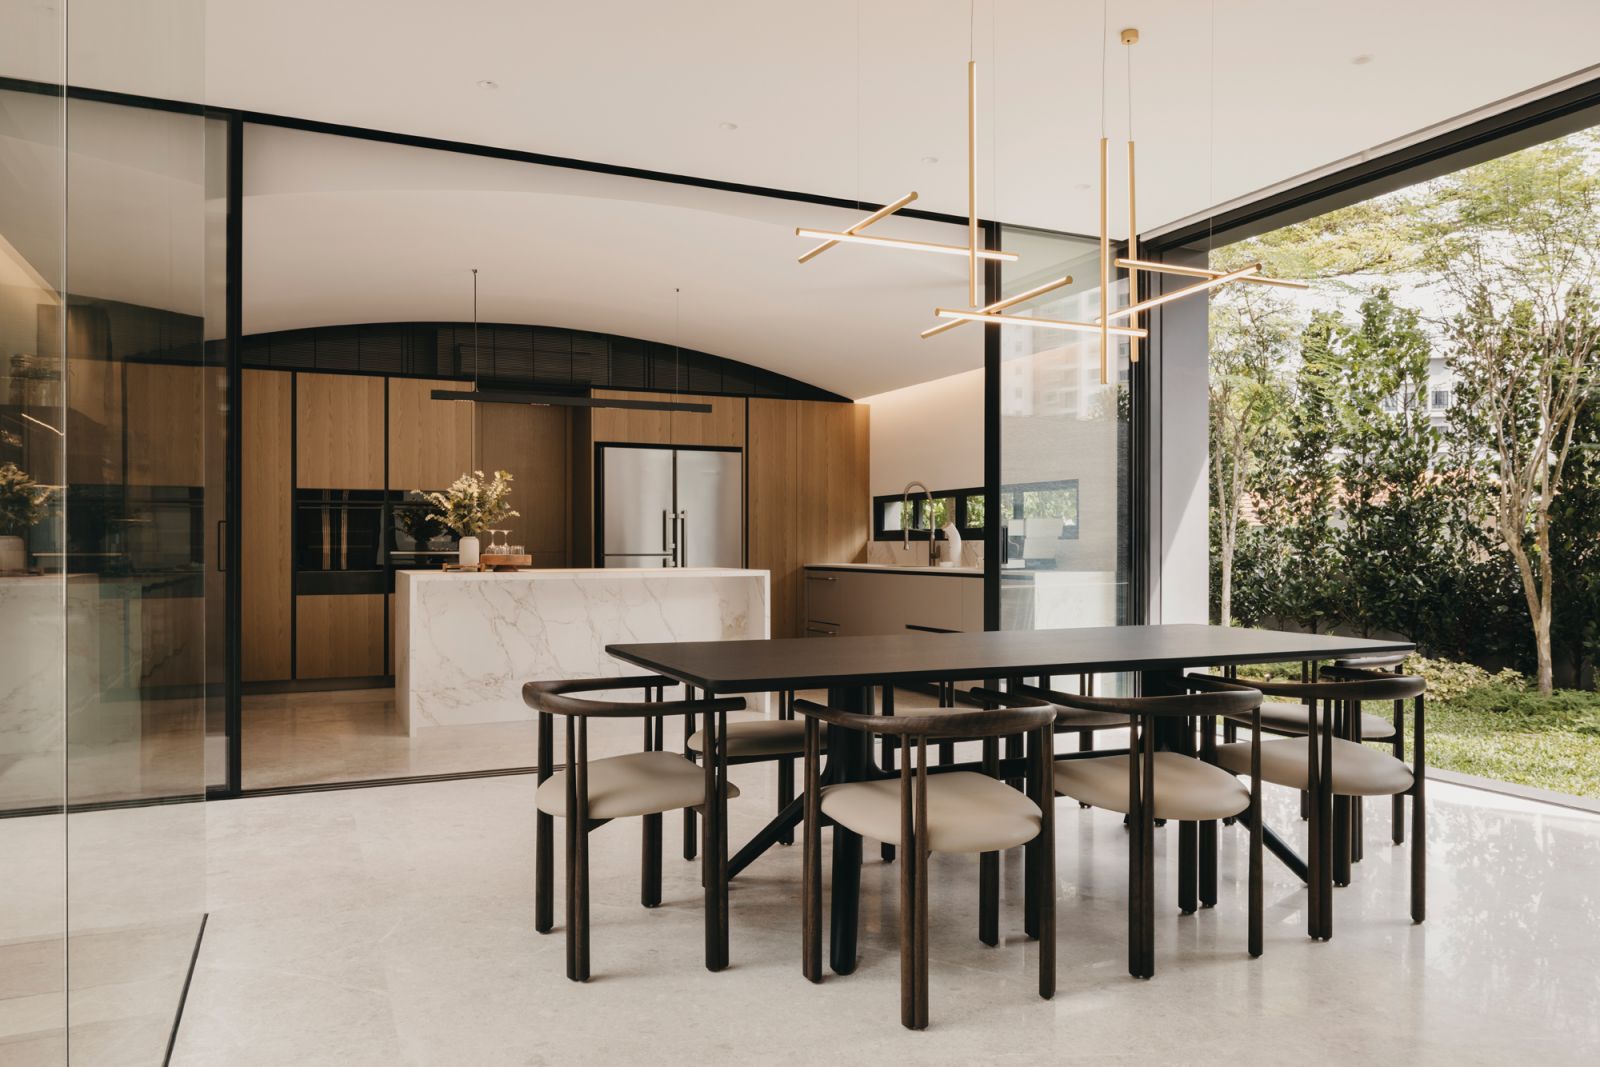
(472, 567)
(497, 562)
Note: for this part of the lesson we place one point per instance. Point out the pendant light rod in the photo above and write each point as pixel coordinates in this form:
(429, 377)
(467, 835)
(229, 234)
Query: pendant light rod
(882, 213)
(904, 245)
(1042, 324)
(1188, 290)
(1001, 305)
(972, 182)
(1201, 272)
(1105, 265)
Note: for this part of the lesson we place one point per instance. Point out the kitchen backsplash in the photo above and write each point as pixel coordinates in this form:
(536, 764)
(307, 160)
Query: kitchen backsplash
(895, 554)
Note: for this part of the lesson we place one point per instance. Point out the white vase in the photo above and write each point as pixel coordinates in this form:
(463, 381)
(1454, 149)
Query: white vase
(469, 552)
(13, 554)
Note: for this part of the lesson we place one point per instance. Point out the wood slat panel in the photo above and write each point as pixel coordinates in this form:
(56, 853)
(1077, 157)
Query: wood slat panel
(266, 582)
(339, 636)
(723, 425)
(532, 443)
(165, 413)
(774, 533)
(339, 431)
(430, 441)
(832, 482)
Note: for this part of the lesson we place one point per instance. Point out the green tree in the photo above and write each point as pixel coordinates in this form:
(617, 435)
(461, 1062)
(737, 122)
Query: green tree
(1517, 241)
(1575, 547)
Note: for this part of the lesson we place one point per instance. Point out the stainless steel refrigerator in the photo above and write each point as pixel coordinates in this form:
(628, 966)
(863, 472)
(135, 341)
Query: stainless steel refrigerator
(670, 507)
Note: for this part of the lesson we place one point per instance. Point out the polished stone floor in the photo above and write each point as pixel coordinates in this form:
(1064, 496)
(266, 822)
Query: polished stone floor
(394, 926)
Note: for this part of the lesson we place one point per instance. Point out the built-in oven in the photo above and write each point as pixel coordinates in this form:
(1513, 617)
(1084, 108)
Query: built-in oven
(338, 541)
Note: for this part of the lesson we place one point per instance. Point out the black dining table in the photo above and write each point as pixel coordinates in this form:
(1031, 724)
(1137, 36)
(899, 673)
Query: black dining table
(849, 668)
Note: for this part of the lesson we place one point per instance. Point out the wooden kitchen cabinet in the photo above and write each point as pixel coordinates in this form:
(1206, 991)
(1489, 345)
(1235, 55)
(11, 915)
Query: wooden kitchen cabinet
(340, 636)
(430, 441)
(339, 438)
(843, 600)
(266, 509)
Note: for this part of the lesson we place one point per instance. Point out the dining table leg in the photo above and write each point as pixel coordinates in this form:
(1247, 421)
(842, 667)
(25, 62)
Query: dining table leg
(849, 752)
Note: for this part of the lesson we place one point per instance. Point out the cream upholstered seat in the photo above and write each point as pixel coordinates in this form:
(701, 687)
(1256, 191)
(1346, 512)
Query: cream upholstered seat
(1286, 717)
(638, 783)
(1187, 789)
(1357, 769)
(759, 738)
(967, 812)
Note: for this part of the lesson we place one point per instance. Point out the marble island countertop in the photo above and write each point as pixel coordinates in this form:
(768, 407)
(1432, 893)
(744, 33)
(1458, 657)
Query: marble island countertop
(569, 573)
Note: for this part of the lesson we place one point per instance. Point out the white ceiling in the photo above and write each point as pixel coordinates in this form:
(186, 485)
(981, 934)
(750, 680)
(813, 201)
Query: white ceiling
(338, 230)
(647, 84)
(850, 99)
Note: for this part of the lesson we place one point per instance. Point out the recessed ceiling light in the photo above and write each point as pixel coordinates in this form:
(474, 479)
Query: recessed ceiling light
(1362, 60)
(729, 126)
(487, 84)
(930, 160)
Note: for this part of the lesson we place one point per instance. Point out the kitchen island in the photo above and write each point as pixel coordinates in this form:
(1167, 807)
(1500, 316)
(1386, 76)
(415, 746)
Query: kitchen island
(466, 642)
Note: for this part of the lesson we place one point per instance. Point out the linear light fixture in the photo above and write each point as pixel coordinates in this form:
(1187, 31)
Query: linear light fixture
(1132, 310)
(568, 400)
(974, 253)
(1042, 324)
(1202, 272)
(882, 213)
(1001, 305)
(896, 242)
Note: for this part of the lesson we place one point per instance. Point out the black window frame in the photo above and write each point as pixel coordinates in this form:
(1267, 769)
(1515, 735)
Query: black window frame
(880, 505)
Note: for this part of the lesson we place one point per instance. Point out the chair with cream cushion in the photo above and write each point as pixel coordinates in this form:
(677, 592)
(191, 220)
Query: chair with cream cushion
(590, 793)
(780, 741)
(929, 811)
(1333, 766)
(1146, 784)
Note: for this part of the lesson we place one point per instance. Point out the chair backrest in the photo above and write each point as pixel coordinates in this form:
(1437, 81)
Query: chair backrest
(1231, 700)
(959, 725)
(553, 698)
(1342, 683)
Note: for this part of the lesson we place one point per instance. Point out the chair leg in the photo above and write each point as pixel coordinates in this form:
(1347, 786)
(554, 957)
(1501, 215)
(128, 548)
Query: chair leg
(1341, 841)
(1257, 904)
(908, 896)
(544, 890)
(690, 833)
(1046, 891)
(1397, 810)
(1419, 825)
(785, 796)
(577, 901)
(1305, 805)
(989, 898)
(650, 861)
(1357, 829)
(811, 869)
(1208, 864)
(1188, 867)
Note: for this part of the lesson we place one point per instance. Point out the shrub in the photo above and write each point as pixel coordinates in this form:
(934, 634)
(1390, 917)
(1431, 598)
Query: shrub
(1449, 679)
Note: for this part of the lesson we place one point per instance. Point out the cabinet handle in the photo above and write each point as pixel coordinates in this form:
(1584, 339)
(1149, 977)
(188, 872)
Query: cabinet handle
(818, 630)
(820, 578)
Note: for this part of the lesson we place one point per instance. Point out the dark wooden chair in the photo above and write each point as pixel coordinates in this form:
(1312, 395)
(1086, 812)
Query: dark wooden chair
(1172, 781)
(590, 793)
(929, 811)
(780, 741)
(1333, 767)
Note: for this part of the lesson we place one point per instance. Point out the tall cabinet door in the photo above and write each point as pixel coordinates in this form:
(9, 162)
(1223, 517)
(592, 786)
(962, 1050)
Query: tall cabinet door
(339, 431)
(710, 508)
(266, 498)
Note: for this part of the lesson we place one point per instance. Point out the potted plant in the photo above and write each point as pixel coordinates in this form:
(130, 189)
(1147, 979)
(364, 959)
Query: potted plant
(470, 506)
(23, 502)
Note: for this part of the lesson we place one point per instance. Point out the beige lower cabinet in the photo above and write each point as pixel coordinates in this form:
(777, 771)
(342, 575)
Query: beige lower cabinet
(859, 600)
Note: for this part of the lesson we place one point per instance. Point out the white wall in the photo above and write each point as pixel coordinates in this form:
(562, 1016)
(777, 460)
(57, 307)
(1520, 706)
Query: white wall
(931, 432)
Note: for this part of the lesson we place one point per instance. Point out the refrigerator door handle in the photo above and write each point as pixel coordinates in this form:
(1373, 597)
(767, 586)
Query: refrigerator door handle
(683, 538)
(668, 548)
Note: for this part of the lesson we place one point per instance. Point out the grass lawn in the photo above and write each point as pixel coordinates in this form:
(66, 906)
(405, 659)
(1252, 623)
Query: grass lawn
(1493, 728)
(1513, 736)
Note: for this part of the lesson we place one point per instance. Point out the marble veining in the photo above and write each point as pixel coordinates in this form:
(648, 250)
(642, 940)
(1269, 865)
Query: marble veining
(466, 643)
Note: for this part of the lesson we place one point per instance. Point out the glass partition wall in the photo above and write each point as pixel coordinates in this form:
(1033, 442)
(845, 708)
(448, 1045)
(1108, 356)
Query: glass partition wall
(108, 476)
(1064, 447)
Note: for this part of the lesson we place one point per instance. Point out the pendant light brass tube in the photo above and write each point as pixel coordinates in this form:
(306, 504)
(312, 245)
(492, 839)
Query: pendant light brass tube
(882, 213)
(1043, 324)
(1133, 245)
(1188, 290)
(1001, 305)
(1130, 263)
(909, 246)
(972, 183)
(1105, 271)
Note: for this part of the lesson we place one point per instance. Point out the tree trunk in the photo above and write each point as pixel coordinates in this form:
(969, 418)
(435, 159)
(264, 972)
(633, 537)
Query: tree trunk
(1225, 600)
